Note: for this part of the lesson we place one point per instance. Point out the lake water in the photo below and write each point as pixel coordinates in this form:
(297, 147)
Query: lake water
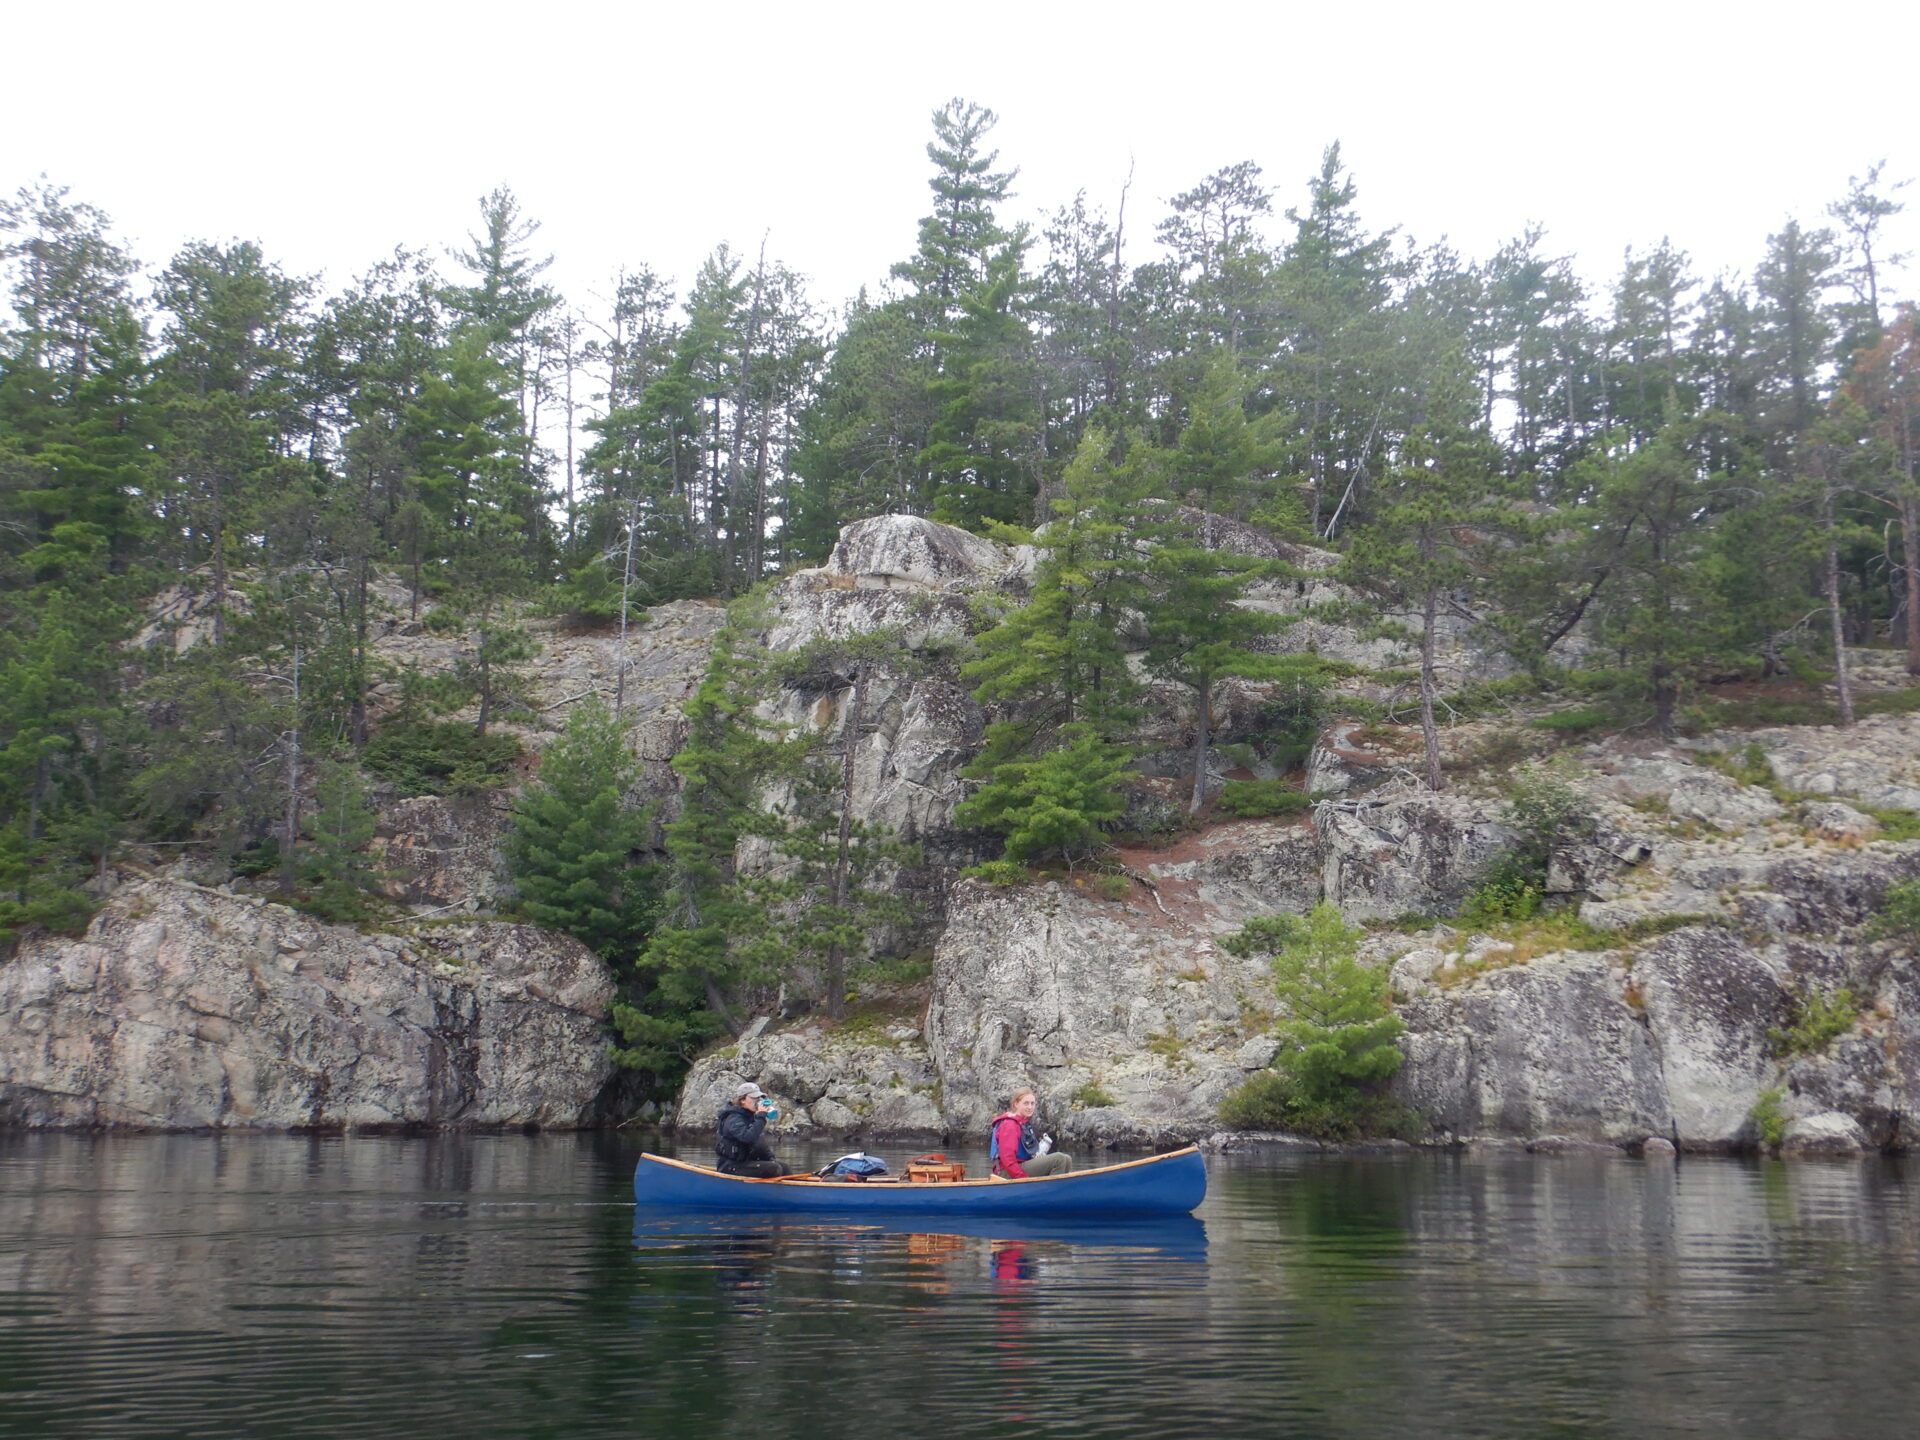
(500, 1286)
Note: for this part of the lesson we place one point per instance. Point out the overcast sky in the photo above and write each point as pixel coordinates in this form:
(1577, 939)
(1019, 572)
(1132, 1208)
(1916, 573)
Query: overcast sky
(642, 133)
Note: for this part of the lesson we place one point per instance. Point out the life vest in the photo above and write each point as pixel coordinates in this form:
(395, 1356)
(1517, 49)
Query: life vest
(730, 1142)
(1029, 1142)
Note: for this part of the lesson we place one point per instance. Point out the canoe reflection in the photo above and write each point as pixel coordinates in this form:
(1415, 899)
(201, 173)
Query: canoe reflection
(1170, 1237)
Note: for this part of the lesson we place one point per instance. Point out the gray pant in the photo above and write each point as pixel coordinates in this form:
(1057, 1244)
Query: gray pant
(1052, 1163)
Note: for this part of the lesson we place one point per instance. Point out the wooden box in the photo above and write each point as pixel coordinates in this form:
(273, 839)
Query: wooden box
(932, 1169)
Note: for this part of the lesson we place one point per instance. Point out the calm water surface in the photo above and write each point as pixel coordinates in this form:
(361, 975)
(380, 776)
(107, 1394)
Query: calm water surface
(502, 1286)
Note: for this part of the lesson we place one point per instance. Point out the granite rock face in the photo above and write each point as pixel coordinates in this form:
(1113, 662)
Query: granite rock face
(882, 1082)
(1416, 854)
(188, 1008)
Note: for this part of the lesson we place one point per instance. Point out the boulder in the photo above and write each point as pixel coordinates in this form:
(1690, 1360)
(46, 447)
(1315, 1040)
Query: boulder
(1548, 1047)
(889, 551)
(443, 851)
(864, 1082)
(1236, 872)
(1833, 820)
(1826, 1134)
(1709, 1002)
(1417, 854)
(187, 1008)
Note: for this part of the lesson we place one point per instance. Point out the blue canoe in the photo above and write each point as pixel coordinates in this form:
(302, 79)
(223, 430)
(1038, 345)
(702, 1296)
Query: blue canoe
(1171, 1184)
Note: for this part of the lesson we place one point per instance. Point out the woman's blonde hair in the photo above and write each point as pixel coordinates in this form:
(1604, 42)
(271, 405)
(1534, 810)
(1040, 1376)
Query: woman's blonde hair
(1018, 1096)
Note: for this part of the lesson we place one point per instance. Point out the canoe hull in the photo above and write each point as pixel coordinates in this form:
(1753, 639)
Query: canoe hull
(1162, 1185)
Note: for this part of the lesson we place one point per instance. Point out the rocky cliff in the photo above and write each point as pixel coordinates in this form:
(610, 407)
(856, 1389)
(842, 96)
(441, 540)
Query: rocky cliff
(1132, 1023)
(184, 1007)
(1712, 912)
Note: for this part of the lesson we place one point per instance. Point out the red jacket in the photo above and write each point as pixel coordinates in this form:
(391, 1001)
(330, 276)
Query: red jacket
(1008, 1132)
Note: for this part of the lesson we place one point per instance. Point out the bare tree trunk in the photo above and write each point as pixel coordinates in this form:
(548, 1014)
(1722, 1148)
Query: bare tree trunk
(757, 562)
(292, 819)
(737, 440)
(1910, 554)
(1203, 705)
(1835, 622)
(626, 589)
(836, 976)
(1666, 696)
(219, 562)
(1429, 731)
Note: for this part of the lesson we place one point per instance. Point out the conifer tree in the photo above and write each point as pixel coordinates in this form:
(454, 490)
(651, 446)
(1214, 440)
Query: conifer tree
(1338, 1037)
(1653, 509)
(336, 872)
(576, 840)
(725, 761)
(1434, 516)
(1053, 768)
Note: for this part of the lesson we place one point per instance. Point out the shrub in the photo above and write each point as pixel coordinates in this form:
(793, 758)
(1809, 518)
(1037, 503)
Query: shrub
(1579, 720)
(1899, 917)
(336, 873)
(889, 971)
(1769, 1119)
(1055, 802)
(1092, 1096)
(1749, 767)
(1338, 1039)
(440, 757)
(1294, 713)
(999, 872)
(1543, 805)
(588, 596)
(1252, 799)
(1112, 887)
(260, 858)
(1510, 892)
(1264, 1102)
(1895, 823)
(1547, 811)
(1817, 1023)
(573, 845)
(1889, 702)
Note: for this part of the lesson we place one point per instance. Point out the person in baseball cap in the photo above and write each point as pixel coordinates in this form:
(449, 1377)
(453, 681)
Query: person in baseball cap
(740, 1138)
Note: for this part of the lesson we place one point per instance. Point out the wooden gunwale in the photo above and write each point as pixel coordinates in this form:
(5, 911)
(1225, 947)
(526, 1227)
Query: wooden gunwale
(707, 1172)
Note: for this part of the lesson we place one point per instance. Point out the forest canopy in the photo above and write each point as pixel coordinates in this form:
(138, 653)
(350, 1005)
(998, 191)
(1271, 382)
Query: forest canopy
(1684, 470)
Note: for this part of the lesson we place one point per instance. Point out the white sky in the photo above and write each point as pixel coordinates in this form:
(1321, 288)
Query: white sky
(646, 133)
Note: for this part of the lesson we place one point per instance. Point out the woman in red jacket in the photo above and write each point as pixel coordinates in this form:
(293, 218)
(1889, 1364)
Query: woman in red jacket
(1015, 1149)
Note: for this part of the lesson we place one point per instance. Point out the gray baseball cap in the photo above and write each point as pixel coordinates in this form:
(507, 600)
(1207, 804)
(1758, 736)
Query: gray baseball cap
(749, 1088)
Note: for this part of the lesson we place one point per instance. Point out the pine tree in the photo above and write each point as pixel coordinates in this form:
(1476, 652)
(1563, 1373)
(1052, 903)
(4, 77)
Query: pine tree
(1653, 511)
(1338, 1037)
(575, 842)
(1053, 770)
(1436, 514)
(691, 956)
(982, 452)
(336, 872)
(963, 234)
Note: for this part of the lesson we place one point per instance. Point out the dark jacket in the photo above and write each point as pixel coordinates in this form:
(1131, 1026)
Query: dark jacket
(739, 1138)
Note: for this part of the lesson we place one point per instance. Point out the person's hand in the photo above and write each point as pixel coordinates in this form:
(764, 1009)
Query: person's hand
(772, 1112)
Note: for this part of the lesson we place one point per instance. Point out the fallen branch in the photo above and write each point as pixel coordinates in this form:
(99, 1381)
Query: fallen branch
(590, 690)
